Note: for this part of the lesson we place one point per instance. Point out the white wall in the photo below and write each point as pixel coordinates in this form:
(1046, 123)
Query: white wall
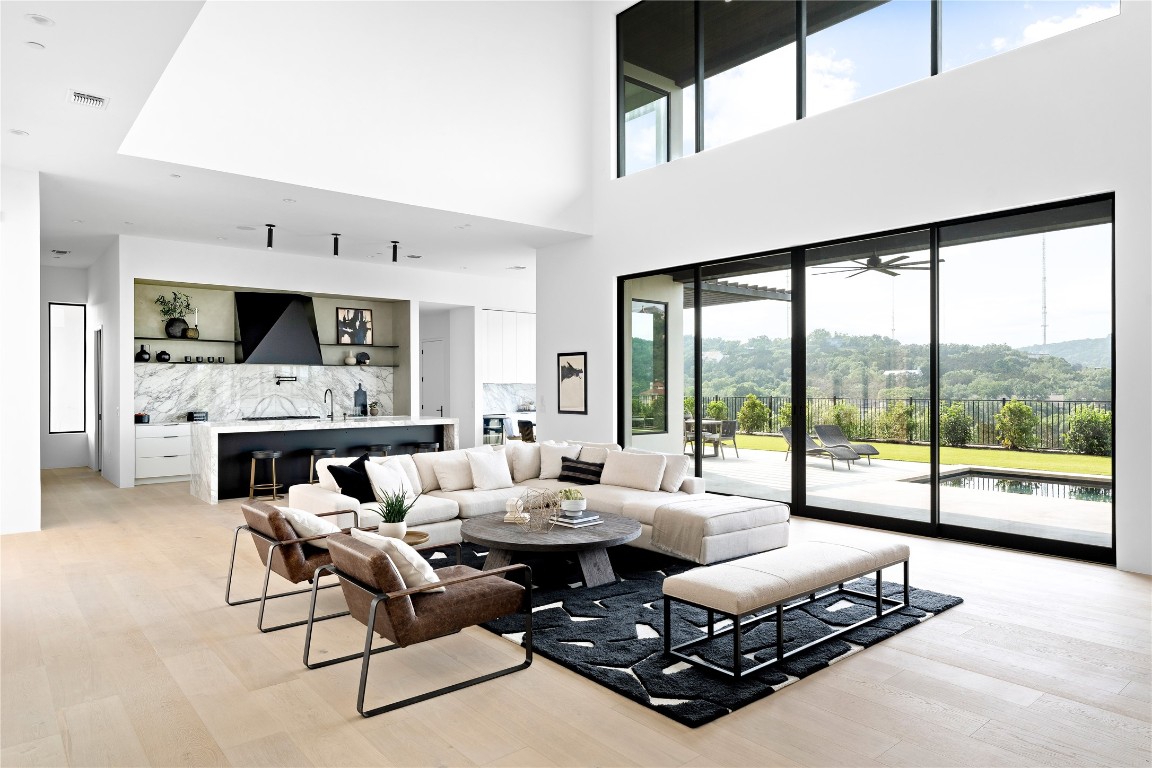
(19, 302)
(472, 107)
(463, 366)
(1057, 119)
(68, 286)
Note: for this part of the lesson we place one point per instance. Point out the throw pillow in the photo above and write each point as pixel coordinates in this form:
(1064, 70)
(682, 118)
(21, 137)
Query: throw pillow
(353, 480)
(326, 481)
(489, 470)
(580, 472)
(388, 477)
(453, 472)
(405, 463)
(595, 453)
(413, 569)
(550, 456)
(426, 468)
(525, 461)
(676, 469)
(643, 471)
(307, 524)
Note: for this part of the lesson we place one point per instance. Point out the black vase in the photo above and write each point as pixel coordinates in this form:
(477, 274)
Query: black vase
(163, 357)
(175, 327)
(142, 356)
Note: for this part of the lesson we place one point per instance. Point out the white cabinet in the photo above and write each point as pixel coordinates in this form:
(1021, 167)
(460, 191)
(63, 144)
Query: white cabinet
(163, 452)
(507, 347)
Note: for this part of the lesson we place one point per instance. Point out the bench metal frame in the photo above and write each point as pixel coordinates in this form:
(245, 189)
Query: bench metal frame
(750, 618)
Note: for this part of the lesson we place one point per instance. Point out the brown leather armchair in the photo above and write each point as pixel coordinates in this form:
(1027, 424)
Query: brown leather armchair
(378, 599)
(281, 551)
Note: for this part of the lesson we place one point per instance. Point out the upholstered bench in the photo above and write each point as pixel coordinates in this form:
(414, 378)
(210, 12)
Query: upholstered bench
(707, 528)
(752, 589)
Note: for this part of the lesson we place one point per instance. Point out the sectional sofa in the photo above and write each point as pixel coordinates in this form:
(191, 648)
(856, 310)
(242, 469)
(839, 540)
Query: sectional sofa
(645, 486)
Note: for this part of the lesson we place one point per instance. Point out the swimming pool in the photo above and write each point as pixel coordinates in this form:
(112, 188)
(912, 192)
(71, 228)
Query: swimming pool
(1031, 485)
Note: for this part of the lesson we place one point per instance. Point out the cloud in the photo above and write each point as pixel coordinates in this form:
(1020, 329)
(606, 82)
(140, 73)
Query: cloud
(1055, 25)
(830, 82)
(999, 43)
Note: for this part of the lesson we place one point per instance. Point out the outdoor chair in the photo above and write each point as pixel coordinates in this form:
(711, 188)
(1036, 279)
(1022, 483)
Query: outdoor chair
(831, 434)
(281, 551)
(727, 432)
(833, 452)
(527, 430)
(378, 599)
(710, 438)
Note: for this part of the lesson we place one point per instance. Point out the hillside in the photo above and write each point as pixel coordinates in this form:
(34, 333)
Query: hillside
(1091, 353)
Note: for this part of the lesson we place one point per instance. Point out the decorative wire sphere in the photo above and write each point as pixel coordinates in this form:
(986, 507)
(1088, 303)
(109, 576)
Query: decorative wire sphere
(539, 508)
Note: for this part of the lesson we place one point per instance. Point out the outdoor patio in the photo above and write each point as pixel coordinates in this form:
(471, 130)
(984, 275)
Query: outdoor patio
(889, 488)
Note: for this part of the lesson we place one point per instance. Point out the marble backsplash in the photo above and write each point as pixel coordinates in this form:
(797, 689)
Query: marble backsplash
(167, 391)
(509, 398)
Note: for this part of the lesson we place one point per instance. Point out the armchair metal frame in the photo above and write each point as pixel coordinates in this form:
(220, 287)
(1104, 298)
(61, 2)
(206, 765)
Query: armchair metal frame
(264, 597)
(382, 597)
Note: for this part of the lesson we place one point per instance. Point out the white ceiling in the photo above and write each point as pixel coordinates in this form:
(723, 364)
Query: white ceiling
(90, 192)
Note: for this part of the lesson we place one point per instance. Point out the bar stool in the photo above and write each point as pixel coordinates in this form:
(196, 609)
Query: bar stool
(273, 486)
(379, 450)
(427, 447)
(318, 453)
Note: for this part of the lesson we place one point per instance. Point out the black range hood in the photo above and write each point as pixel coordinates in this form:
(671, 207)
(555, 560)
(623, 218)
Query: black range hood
(278, 328)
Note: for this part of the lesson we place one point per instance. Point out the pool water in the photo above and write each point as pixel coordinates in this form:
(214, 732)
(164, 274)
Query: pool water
(1031, 486)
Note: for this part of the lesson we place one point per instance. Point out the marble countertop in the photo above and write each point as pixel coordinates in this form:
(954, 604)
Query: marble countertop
(299, 425)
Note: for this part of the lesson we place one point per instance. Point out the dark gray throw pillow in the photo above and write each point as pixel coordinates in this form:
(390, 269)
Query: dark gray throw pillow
(353, 480)
(579, 472)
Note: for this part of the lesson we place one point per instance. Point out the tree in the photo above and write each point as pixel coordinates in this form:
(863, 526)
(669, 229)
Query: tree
(753, 415)
(1016, 425)
(716, 410)
(955, 425)
(847, 417)
(1089, 431)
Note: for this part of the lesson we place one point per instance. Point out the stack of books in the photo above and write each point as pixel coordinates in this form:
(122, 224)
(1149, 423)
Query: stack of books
(581, 519)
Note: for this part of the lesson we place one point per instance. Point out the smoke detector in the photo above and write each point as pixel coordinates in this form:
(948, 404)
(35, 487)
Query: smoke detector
(87, 100)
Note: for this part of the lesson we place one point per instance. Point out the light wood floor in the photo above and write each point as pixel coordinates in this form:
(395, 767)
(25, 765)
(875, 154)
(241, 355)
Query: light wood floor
(117, 649)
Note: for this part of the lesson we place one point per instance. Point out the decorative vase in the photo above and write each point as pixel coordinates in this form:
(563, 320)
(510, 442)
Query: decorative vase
(192, 333)
(373, 410)
(393, 530)
(163, 357)
(573, 505)
(175, 327)
(142, 356)
(350, 359)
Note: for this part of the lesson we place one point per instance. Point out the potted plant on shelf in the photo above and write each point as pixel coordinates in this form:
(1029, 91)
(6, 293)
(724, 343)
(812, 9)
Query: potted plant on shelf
(572, 500)
(374, 408)
(174, 310)
(393, 509)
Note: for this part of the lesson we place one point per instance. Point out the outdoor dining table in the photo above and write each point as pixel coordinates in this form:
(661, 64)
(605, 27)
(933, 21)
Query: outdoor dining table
(710, 427)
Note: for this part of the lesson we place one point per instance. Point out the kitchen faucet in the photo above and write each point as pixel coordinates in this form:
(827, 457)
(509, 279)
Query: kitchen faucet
(332, 408)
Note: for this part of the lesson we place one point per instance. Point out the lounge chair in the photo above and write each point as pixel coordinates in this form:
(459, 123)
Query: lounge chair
(831, 434)
(833, 452)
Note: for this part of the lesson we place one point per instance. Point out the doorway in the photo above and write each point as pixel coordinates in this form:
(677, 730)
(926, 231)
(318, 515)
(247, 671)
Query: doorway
(433, 379)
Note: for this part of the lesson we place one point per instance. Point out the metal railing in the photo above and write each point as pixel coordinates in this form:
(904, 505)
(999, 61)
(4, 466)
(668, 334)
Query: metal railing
(910, 418)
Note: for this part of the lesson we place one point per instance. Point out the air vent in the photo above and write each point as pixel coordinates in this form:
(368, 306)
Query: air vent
(88, 100)
(60, 253)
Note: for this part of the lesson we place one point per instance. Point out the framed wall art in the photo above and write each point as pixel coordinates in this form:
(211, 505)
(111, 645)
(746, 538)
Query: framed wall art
(353, 326)
(573, 384)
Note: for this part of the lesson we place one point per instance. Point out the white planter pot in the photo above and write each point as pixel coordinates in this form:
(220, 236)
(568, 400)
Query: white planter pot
(393, 530)
(573, 505)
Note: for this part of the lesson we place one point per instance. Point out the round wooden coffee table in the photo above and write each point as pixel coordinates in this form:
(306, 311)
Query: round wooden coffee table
(589, 544)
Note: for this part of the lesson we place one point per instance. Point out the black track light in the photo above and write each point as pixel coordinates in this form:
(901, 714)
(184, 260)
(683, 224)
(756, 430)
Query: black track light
(395, 245)
(336, 244)
(270, 228)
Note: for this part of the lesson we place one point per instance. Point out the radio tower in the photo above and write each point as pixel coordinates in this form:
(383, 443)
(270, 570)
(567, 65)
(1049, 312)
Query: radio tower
(1044, 291)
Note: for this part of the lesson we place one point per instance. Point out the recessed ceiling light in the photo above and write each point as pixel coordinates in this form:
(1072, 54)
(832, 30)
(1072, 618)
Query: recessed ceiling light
(246, 229)
(34, 45)
(288, 200)
(42, 21)
(516, 267)
(17, 132)
(415, 256)
(60, 253)
(175, 175)
(130, 223)
(463, 226)
(221, 238)
(77, 221)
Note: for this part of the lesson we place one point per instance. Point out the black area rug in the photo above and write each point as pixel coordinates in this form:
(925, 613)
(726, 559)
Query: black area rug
(613, 634)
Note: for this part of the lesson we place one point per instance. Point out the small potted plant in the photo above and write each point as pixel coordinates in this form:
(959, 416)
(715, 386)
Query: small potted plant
(174, 310)
(572, 500)
(374, 408)
(393, 509)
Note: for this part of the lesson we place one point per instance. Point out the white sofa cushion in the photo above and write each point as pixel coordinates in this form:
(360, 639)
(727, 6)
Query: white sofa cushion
(613, 498)
(427, 509)
(525, 458)
(596, 453)
(426, 469)
(452, 471)
(550, 455)
(413, 569)
(307, 524)
(676, 468)
(489, 470)
(473, 503)
(326, 481)
(643, 471)
(405, 463)
(388, 478)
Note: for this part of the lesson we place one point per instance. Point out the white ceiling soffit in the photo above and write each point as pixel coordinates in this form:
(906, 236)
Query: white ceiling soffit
(478, 108)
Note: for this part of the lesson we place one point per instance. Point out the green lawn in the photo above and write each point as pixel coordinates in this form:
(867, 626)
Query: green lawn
(1072, 463)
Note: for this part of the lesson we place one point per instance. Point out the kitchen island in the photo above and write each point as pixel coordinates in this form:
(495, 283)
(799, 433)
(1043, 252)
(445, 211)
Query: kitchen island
(221, 450)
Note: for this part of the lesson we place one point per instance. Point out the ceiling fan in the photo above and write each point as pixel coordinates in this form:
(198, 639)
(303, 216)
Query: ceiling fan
(875, 264)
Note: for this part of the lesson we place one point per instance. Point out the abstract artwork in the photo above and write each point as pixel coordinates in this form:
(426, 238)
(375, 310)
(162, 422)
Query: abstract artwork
(573, 386)
(353, 326)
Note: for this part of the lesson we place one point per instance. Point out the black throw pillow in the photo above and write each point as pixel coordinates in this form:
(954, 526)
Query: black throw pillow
(353, 480)
(580, 472)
